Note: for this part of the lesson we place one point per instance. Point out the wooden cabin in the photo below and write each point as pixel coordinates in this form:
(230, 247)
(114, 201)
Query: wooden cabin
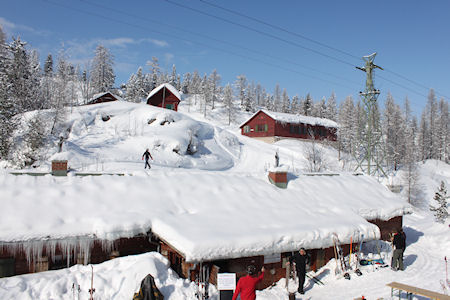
(103, 97)
(33, 256)
(165, 96)
(272, 126)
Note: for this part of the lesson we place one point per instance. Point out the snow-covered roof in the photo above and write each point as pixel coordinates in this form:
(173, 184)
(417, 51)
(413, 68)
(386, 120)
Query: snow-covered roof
(204, 215)
(168, 86)
(295, 119)
(98, 95)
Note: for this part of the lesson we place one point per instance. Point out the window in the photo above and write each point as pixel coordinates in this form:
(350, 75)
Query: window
(7, 267)
(246, 129)
(261, 127)
(170, 106)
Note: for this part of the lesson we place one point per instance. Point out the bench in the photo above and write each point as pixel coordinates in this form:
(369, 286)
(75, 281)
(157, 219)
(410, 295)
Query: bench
(411, 290)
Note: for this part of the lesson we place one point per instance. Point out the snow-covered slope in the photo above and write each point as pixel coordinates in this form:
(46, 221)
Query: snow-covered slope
(218, 183)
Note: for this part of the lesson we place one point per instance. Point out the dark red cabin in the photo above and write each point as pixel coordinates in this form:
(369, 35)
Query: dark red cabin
(166, 96)
(103, 97)
(272, 126)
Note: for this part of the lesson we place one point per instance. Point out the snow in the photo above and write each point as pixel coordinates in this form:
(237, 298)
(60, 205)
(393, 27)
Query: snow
(168, 86)
(200, 203)
(296, 119)
(115, 279)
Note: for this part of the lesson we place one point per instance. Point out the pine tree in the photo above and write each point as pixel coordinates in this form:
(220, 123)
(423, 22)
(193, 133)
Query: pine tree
(331, 108)
(295, 105)
(228, 101)
(286, 103)
(155, 72)
(241, 86)
(215, 87)
(440, 211)
(48, 66)
(7, 107)
(308, 105)
(102, 73)
(277, 98)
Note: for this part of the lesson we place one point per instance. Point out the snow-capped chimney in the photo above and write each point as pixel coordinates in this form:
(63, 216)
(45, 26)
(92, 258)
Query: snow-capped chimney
(59, 167)
(278, 176)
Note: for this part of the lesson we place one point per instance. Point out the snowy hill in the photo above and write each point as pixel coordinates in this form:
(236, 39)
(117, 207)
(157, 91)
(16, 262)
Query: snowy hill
(209, 160)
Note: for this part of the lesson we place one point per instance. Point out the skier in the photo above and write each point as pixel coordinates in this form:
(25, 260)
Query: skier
(399, 244)
(301, 260)
(246, 285)
(147, 155)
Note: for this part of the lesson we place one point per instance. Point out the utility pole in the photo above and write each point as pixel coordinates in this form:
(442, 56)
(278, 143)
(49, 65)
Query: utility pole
(371, 156)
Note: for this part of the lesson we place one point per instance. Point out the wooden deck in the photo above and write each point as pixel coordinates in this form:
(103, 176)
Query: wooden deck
(411, 290)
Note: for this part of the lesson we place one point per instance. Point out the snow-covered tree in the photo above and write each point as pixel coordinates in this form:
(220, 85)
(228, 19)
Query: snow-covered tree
(315, 156)
(440, 211)
(34, 139)
(228, 101)
(347, 126)
(241, 88)
(393, 129)
(295, 105)
(214, 79)
(20, 89)
(443, 134)
(277, 99)
(154, 71)
(285, 102)
(7, 107)
(102, 73)
(331, 108)
(307, 105)
(136, 87)
(319, 109)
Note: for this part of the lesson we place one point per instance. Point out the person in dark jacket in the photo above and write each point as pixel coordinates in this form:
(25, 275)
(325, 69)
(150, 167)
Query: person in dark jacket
(399, 245)
(147, 155)
(301, 260)
(246, 285)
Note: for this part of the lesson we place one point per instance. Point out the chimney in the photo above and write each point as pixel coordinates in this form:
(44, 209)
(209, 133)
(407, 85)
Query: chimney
(59, 167)
(278, 176)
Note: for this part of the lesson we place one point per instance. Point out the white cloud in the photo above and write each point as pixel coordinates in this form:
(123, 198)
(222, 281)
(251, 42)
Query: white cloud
(13, 28)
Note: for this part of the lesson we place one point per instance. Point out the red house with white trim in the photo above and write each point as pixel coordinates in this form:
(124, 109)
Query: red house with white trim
(272, 126)
(165, 96)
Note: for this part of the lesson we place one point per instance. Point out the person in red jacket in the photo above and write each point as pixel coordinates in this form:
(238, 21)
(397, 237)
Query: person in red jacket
(246, 285)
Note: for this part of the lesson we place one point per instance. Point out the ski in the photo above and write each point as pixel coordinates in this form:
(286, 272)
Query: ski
(92, 290)
(340, 255)
(358, 255)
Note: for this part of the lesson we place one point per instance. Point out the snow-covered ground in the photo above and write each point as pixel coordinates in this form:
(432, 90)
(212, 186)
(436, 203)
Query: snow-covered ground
(219, 152)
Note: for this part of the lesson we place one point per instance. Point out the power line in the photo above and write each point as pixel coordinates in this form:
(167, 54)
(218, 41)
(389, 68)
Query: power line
(280, 28)
(319, 43)
(261, 32)
(187, 40)
(218, 40)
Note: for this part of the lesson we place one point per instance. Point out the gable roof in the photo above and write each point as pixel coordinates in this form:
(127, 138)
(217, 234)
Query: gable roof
(294, 119)
(99, 95)
(204, 217)
(168, 86)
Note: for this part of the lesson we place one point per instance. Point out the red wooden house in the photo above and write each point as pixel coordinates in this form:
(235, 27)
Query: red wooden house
(166, 96)
(273, 126)
(103, 97)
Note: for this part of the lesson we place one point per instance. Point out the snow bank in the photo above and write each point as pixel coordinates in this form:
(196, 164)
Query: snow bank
(205, 215)
(115, 279)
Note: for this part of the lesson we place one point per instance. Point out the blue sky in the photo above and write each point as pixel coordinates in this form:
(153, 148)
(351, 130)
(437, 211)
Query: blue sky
(412, 39)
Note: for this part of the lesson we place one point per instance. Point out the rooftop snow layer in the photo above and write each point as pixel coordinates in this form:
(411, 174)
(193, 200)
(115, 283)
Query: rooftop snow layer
(296, 119)
(169, 87)
(204, 215)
